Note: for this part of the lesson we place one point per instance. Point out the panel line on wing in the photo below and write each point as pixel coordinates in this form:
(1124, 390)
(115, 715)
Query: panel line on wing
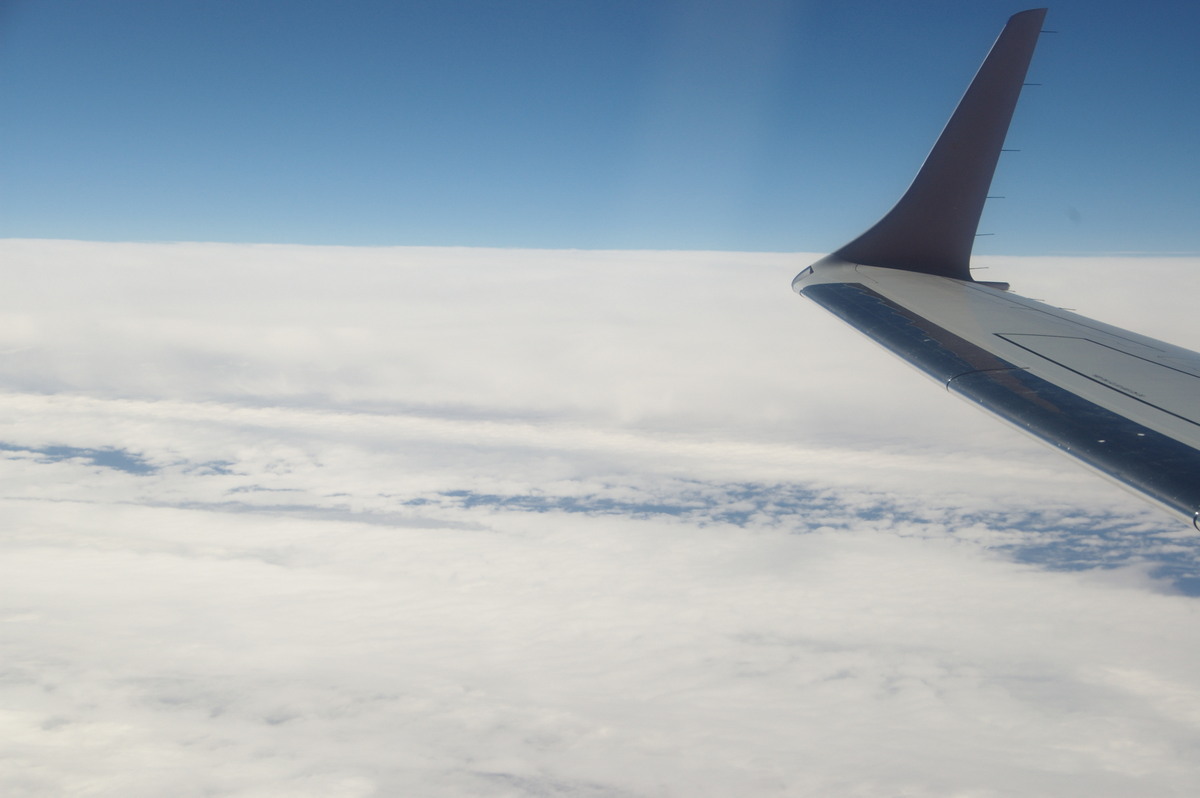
(1165, 469)
(1143, 369)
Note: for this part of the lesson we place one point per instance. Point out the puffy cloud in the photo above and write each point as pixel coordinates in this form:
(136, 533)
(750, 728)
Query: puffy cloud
(330, 521)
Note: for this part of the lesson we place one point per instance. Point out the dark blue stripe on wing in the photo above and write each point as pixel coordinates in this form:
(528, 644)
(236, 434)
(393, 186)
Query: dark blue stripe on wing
(936, 351)
(1155, 464)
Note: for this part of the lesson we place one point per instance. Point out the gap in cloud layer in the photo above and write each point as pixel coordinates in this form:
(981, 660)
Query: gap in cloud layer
(107, 458)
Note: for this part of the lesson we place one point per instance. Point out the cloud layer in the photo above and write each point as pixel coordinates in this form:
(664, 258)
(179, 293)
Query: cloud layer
(327, 521)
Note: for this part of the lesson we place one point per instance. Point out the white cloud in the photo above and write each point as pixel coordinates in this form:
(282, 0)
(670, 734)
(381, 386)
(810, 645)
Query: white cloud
(444, 522)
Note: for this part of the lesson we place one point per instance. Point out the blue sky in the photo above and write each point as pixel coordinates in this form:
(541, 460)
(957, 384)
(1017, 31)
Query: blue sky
(437, 521)
(775, 126)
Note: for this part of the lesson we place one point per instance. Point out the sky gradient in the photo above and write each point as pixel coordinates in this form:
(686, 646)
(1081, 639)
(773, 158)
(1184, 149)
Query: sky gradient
(480, 448)
(768, 126)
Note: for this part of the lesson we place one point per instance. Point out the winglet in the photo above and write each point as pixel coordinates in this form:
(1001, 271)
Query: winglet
(932, 228)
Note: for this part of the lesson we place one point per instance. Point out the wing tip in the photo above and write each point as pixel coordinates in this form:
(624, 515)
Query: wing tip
(932, 227)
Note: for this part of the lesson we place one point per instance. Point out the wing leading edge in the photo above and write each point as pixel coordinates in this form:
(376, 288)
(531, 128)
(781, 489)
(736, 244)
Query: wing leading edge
(1123, 404)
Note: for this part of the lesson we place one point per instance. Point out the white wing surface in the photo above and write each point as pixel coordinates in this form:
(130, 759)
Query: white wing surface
(1123, 404)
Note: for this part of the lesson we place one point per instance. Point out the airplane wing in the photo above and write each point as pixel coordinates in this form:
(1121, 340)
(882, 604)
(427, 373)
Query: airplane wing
(1124, 404)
